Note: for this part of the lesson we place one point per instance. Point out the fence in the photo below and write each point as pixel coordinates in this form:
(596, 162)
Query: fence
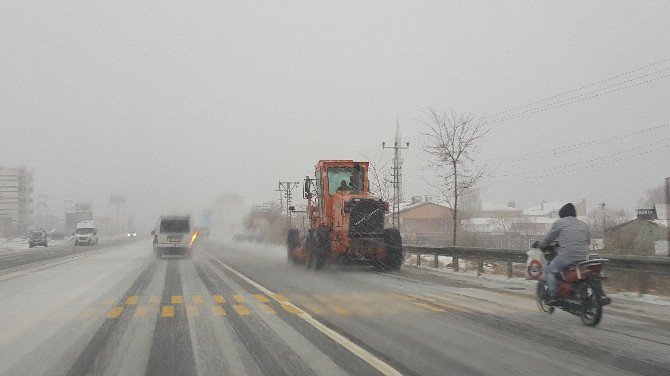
(641, 267)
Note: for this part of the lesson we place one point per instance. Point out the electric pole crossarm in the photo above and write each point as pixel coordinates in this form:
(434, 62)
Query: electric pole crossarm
(286, 187)
(397, 174)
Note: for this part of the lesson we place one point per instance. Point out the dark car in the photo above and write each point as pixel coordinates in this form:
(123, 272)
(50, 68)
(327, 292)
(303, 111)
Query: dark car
(37, 237)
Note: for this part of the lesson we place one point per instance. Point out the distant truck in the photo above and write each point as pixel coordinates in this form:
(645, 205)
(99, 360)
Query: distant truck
(85, 233)
(172, 236)
(346, 220)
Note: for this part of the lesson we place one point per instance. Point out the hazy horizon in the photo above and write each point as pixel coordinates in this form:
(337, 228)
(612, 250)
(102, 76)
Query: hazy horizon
(173, 105)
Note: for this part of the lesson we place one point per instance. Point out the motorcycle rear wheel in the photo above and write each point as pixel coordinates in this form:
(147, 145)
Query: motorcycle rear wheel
(539, 298)
(592, 309)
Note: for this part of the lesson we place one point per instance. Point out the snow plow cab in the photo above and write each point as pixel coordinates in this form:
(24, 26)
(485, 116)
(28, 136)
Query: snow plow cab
(346, 222)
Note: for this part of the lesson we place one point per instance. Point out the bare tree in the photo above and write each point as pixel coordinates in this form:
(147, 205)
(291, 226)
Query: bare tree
(601, 219)
(509, 224)
(451, 139)
(379, 184)
(653, 196)
(471, 202)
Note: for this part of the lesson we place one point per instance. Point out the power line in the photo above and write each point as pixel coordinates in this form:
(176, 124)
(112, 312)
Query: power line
(576, 90)
(567, 148)
(566, 102)
(588, 161)
(586, 167)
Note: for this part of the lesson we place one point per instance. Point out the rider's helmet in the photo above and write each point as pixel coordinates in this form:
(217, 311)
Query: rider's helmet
(568, 210)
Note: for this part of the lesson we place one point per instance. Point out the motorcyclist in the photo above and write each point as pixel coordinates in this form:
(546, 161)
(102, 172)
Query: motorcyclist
(573, 238)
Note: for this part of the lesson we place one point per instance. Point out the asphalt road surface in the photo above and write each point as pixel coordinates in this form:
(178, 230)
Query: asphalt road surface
(236, 309)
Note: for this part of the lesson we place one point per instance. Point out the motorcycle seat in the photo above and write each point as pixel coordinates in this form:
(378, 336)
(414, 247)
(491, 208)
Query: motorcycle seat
(580, 270)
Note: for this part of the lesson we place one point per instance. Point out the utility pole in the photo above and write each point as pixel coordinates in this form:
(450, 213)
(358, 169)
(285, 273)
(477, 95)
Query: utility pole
(602, 207)
(397, 173)
(286, 187)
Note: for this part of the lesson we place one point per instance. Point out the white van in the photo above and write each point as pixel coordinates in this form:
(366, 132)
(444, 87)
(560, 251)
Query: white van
(172, 236)
(85, 233)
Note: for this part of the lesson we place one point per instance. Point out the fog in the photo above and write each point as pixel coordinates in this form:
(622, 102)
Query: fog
(173, 104)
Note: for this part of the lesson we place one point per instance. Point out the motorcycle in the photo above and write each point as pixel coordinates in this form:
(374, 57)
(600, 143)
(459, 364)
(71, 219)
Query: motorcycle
(579, 289)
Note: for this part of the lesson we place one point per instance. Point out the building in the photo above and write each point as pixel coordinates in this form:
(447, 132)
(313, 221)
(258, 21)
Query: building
(645, 236)
(491, 225)
(505, 226)
(495, 210)
(427, 223)
(16, 201)
(549, 209)
(662, 212)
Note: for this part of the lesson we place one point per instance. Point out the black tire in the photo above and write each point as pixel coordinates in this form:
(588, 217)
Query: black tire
(592, 310)
(539, 298)
(292, 242)
(321, 250)
(394, 253)
(310, 248)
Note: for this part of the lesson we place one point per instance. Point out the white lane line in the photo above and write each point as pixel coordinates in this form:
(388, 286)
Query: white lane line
(365, 355)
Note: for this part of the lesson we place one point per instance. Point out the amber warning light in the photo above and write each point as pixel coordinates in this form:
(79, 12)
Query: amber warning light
(195, 235)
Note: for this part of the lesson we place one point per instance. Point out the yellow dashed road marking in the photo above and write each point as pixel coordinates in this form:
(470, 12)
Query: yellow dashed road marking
(154, 299)
(290, 308)
(114, 313)
(239, 298)
(218, 311)
(267, 309)
(132, 300)
(338, 310)
(315, 308)
(168, 311)
(141, 311)
(177, 299)
(261, 298)
(197, 299)
(192, 311)
(429, 307)
(241, 310)
(218, 299)
(300, 298)
(362, 309)
(89, 313)
(280, 297)
(322, 298)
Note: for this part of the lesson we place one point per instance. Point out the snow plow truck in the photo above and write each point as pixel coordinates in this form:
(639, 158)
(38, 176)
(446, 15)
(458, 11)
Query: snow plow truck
(346, 222)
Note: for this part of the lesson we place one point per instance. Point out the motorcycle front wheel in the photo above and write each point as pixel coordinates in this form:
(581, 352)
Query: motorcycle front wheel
(591, 310)
(539, 298)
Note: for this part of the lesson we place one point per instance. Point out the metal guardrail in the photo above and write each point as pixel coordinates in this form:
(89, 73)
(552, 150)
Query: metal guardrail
(641, 266)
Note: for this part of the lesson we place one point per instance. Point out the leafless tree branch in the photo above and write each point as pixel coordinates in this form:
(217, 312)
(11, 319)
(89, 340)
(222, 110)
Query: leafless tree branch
(451, 140)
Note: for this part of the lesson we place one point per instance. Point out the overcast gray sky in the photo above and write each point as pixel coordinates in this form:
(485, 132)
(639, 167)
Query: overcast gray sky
(174, 103)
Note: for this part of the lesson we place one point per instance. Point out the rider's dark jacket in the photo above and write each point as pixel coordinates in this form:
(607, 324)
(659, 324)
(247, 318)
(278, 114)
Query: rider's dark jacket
(573, 238)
